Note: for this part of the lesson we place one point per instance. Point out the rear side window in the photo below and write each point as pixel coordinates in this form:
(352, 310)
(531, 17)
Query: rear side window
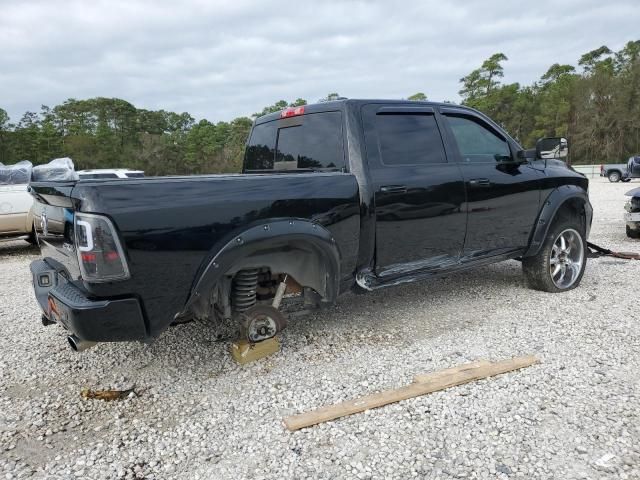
(315, 143)
(260, 153)
(409, 139)
(135, 175)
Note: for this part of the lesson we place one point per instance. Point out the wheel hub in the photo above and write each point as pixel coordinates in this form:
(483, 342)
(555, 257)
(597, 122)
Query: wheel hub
(567, 257)
(262, 322)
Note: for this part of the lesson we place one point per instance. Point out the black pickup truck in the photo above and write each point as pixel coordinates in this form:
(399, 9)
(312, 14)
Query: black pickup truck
(350, 194)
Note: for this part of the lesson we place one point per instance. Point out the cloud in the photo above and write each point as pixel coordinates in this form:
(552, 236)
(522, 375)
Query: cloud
(219, 60)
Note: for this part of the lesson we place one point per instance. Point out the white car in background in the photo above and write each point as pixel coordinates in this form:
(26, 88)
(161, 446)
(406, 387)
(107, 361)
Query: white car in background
(16, 218)
(110, 173)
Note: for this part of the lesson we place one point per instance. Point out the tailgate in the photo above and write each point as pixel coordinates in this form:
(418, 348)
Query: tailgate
(53, 218)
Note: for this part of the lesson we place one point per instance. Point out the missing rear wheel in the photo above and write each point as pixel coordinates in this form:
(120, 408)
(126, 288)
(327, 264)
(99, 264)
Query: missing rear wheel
(262, 322)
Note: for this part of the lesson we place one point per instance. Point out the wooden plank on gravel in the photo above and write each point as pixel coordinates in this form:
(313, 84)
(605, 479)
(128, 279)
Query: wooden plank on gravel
(431, 376)
(436, 381)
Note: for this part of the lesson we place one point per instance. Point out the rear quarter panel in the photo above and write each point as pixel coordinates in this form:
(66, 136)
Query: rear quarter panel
(171, 226)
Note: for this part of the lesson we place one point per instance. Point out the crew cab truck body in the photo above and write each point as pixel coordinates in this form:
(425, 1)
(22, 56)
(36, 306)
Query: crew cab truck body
(351, 194)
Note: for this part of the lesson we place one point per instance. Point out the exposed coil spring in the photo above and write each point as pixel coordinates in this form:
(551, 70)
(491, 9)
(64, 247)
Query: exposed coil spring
(245, 284)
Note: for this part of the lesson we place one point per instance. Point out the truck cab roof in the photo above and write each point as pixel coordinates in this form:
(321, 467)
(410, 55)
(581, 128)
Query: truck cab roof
(342, 103)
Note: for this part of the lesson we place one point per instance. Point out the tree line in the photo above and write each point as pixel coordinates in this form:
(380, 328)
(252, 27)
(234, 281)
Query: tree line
(596, 105)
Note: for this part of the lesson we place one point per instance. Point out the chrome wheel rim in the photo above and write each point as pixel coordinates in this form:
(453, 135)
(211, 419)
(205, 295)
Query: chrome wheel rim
(567, 257)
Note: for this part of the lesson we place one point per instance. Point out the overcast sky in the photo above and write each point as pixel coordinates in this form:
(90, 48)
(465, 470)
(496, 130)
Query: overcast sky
(220, 60)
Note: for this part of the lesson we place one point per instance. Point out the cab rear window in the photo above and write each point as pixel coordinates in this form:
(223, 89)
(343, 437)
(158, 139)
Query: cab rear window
(313, 142)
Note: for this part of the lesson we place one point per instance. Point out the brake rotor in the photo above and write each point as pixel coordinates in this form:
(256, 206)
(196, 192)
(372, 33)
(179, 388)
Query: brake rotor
(262, 322)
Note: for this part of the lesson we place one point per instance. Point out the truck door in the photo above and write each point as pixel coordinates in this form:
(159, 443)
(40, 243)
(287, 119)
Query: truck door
(418, 193)
(503, 197)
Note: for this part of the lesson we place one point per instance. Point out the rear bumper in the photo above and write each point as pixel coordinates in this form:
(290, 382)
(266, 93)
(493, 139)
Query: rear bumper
(102, 320)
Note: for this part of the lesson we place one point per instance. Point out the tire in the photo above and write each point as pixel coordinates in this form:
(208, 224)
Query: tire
(631, 233)
(614, 177)
(32, 238)
(570, 259)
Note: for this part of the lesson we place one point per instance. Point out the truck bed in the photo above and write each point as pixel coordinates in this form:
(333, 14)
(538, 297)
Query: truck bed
(171, 227)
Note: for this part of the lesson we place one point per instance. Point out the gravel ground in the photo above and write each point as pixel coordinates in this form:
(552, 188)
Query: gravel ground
(199, 415)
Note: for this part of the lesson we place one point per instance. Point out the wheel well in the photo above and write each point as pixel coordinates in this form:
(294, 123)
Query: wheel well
(573, 207)
(304, 262)
(307, 268)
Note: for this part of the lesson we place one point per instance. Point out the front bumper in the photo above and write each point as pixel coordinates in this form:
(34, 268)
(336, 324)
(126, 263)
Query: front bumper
(632, 217)
(96, 320)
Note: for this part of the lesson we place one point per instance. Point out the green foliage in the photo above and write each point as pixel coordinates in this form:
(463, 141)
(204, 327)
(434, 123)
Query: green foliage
(418, 97)
(110, 132)
(280, 105)
(598, 110)
(330, 97)
(482, 81)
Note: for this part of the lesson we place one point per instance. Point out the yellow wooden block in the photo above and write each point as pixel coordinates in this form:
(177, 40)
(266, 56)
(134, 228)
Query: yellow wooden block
(245, 352)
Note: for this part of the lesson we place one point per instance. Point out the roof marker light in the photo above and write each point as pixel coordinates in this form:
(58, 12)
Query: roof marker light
(292, 112)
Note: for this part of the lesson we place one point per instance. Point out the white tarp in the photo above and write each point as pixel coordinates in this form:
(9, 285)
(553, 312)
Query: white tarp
(16, 174)
(58, 169)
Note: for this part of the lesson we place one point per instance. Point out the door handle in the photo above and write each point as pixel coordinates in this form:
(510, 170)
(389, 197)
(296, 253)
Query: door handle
(393, 189)
(480, 182)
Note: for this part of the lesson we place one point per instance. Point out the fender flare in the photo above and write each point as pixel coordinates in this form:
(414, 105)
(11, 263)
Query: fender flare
(273, 237)
(556, 199)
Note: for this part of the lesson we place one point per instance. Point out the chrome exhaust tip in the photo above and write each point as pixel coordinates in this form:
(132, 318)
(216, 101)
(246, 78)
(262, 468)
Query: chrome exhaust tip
(78, 345)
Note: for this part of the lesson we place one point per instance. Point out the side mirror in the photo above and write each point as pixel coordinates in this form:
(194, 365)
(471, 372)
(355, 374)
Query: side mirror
(552, 147)
(525, 155)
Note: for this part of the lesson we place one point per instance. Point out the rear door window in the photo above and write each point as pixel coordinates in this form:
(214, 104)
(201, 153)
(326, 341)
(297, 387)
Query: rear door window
(314, 143)
(409, 139)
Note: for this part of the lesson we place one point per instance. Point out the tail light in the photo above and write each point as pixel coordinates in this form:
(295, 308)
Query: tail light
(100, 254)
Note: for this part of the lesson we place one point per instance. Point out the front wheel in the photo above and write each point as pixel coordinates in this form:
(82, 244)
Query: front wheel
(560, 263)
(614, 177)
(631, 233)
